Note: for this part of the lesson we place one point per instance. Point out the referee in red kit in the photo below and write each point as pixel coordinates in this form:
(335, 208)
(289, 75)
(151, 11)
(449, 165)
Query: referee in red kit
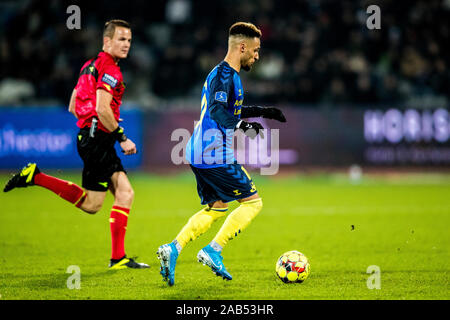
(95, 102)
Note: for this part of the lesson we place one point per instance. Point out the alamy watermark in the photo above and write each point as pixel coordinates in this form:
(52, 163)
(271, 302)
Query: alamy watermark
(374, 280)
(374, 20)
(74, 20)
(74, 281)
(208, 148)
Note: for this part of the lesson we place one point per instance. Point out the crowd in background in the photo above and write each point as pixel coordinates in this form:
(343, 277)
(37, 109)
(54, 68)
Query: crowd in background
(313, 52)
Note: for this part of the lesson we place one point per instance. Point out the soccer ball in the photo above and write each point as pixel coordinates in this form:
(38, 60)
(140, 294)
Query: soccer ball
(293, 267)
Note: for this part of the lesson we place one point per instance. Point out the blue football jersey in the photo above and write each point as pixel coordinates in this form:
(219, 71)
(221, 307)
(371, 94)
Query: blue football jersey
(210, 145)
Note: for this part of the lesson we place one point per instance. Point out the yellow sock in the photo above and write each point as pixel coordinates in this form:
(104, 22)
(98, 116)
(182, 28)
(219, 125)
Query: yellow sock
(198, 224)
(238, 220)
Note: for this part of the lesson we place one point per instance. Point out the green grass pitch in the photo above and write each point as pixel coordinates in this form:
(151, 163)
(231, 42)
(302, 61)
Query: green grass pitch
(400, 225)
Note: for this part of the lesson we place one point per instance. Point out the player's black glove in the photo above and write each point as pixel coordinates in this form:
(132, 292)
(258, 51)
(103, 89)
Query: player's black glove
(273, 113)
(269, 113)
(251, 129)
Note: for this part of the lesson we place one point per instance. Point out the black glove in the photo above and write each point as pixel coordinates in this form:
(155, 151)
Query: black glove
(251, 129)
(273, 113)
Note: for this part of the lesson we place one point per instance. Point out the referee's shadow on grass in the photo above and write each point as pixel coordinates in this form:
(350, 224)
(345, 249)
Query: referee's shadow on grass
(51, 280)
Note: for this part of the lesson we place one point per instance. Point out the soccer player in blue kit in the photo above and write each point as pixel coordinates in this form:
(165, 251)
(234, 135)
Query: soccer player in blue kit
(220, 179)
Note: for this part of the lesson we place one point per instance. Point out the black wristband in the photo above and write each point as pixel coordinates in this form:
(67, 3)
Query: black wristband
(119, 134)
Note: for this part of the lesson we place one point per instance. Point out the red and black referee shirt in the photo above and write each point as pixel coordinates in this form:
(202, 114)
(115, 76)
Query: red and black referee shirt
(98, 73)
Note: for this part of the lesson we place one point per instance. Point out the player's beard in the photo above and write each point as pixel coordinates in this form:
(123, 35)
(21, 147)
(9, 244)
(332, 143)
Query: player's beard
(245, 64)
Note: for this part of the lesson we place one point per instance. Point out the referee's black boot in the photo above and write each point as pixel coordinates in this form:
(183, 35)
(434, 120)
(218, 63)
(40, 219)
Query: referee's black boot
(24, 178)
(125, 262)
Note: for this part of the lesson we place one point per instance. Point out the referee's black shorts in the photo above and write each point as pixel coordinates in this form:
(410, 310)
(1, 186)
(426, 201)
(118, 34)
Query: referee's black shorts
(100, 159)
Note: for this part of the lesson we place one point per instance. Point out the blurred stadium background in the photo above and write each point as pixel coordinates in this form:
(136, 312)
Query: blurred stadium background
(353, 96)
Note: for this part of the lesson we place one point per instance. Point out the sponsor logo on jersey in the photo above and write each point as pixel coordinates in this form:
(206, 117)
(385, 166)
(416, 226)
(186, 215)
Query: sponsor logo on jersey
(109, 80)
(221, 96)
